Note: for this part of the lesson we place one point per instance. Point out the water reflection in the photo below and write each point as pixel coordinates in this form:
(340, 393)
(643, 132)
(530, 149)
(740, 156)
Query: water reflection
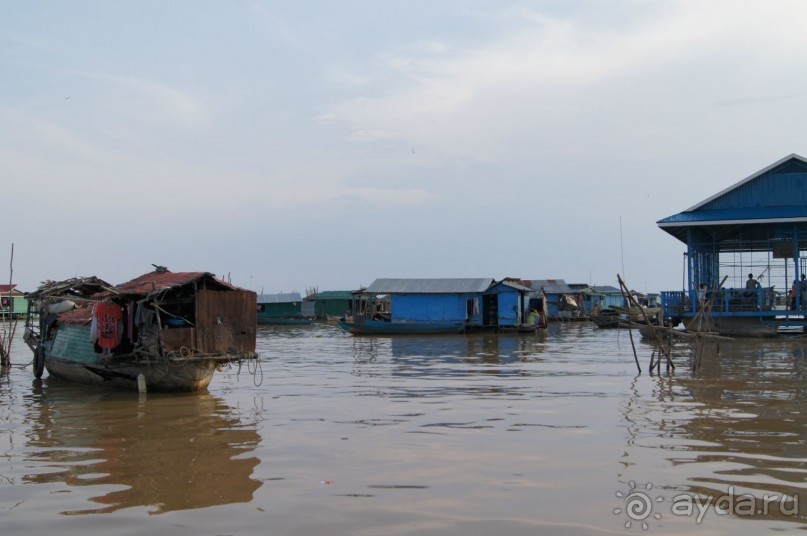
(736, 425)
(161, 452)
(490, 349)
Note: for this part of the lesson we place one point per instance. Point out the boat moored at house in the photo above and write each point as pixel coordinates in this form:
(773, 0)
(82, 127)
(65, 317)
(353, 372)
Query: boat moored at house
(162, 331)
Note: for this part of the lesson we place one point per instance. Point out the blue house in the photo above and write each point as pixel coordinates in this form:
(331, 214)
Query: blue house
(511, 305)
(560, 298)
(417, 306)
(611, 296)
(744, 252)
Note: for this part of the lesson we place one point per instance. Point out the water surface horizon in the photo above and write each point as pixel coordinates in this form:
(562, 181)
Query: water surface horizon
(460, 434)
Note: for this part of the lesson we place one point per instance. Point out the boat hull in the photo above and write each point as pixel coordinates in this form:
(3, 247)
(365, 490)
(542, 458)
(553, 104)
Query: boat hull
(178, 377)
(71, 356)
(379, 327)
(736, 326)
(284, 321)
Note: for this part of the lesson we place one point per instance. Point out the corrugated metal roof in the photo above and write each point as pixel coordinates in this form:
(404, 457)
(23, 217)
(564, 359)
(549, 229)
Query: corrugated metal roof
(606, 289)
(429, 286)
(550, 286)
(280, 298)
(514, 285)
(160, 280)
(773, 195)
(332, 295)
(7, 288)
(759, 173)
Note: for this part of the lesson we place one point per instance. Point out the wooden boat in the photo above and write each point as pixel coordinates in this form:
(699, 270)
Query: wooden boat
(635, 313)
(366, 326)
(162, 331)
(734, 326)
(606, 321)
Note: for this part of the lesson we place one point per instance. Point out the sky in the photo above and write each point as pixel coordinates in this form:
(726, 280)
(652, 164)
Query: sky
(292, 145)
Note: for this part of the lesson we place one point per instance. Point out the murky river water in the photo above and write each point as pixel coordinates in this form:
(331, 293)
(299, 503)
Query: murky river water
(471, 435)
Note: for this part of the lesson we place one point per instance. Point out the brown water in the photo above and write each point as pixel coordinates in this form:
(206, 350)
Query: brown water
(470, 435)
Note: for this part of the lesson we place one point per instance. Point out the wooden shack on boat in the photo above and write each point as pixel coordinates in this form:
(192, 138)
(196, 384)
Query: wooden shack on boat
(745, 249)
(282, 309)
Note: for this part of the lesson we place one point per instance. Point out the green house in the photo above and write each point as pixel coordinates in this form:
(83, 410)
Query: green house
(12, 301)
(330, 303)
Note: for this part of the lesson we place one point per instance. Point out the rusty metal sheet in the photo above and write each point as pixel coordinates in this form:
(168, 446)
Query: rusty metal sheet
(226, 320)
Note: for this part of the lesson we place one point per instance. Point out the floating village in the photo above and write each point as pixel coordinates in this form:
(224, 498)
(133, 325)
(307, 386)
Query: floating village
(744, 276)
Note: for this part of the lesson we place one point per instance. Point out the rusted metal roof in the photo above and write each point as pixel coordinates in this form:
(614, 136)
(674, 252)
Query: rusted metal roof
(429, 286)
(160, 280)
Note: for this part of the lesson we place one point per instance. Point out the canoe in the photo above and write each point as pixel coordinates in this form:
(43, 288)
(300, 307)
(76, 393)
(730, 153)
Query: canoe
(382, 327)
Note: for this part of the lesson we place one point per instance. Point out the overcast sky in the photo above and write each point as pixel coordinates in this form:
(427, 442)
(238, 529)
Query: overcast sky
(324, 143)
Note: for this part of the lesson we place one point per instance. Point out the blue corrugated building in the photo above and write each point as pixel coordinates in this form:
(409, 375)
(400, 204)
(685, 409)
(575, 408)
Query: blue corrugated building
(508, 303)
(433, 300)
(560, 301)
(744, 253)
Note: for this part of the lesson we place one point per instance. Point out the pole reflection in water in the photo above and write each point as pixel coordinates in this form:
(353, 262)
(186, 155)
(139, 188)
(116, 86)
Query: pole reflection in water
(162, 452)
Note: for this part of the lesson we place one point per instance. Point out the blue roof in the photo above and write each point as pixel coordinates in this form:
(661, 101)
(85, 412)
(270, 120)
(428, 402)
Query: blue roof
(775, 194)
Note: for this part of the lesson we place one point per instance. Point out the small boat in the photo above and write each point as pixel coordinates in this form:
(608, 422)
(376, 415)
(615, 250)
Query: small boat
(285, 320)
(366, 326)
(636, 313)
(162, 331)
(734, 326)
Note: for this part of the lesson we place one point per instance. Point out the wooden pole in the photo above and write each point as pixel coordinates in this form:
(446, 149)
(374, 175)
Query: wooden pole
(7, 335)
(630, 332)
(629, 299)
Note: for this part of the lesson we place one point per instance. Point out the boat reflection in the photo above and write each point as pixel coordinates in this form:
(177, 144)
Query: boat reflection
(162, 452)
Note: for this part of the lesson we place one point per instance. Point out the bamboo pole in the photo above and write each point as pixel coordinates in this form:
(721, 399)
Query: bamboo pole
(630, 332)
(631, 301)
(7, 335)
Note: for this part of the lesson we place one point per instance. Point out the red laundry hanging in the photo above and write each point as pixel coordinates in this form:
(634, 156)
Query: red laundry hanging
(109, 318)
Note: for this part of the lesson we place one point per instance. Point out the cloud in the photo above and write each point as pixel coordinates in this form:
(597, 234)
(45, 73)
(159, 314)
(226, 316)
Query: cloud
(165, 101)
(566, 85)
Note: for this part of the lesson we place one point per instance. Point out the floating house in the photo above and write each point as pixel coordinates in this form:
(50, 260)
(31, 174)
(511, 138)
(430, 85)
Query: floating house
(560, 298)
(12, 301)
(280, 309)
(588, 299)
(510, 305)
(330, 304)
(417, 306)
(611, 296)
(744, 252)
(445, 306)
